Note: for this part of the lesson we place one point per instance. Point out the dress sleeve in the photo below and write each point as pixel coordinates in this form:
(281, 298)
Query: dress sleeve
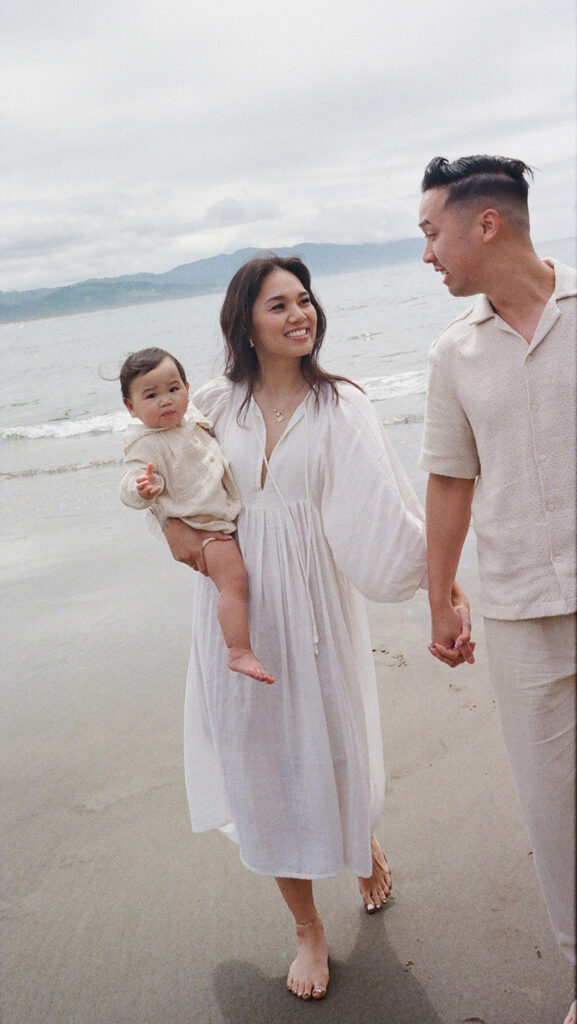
(372, 518)
(213, 398)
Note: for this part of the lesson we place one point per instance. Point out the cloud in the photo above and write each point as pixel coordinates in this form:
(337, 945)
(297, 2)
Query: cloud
(137, 136)
(229, 212)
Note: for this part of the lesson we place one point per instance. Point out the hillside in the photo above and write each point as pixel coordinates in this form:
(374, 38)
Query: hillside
(198, 278)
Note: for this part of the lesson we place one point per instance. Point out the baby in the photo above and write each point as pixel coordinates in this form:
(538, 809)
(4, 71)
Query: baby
(176, 466)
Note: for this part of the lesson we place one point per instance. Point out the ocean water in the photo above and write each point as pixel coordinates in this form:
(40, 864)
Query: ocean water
(59, 415)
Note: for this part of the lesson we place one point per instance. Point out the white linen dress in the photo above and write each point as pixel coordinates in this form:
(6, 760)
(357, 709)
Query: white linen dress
(294, 770)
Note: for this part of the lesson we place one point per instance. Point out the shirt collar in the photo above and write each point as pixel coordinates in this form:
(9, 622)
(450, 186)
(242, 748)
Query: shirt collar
(565, 287)
(482, 310)
(565, 280)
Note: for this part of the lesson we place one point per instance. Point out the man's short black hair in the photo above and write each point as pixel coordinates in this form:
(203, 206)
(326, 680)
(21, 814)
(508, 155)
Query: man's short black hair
(479, 177)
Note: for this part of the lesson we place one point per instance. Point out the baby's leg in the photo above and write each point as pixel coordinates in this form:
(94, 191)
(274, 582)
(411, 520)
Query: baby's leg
(227, 571)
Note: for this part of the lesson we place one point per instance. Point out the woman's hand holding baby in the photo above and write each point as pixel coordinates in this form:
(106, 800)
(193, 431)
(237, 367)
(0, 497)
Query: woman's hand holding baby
(186, 543)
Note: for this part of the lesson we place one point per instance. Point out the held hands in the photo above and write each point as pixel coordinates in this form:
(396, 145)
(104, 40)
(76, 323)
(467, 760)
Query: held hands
(148, 485)
(451, 631)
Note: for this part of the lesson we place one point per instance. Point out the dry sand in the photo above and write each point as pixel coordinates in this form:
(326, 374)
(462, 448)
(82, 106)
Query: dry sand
(114, 913)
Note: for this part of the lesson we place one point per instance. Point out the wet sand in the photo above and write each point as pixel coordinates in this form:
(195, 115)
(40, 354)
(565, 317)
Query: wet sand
(114, 913)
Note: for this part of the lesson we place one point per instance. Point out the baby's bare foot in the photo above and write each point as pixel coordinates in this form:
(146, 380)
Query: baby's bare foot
(308, 976)
(376, 889)
(247, 663)
(571, 1017)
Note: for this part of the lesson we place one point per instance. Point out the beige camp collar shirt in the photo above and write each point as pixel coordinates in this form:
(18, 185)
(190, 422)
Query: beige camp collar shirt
(504, 412)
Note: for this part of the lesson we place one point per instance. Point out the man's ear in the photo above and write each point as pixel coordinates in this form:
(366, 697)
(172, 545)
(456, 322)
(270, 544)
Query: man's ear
(490, 223)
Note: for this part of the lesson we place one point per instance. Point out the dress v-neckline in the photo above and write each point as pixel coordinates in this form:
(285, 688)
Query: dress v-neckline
(266, 459)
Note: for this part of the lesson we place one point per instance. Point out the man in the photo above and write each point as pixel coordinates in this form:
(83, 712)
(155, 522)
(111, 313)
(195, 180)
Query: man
(499, 440)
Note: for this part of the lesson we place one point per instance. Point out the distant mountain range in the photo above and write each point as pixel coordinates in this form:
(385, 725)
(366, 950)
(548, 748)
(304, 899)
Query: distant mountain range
(199, 278)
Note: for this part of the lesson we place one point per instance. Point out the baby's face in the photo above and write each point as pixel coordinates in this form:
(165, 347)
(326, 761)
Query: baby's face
(160, 397)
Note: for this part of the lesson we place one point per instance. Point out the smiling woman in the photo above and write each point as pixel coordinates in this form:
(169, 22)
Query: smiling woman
(294, 771)
(284, 320)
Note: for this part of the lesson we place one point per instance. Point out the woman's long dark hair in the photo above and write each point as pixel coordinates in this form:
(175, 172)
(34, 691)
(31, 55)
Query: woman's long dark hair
(236, 320)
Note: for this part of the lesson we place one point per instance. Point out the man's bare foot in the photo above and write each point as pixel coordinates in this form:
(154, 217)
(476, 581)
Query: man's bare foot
(308, 976)
(571, 1017)
(248, 663)
(376, 889)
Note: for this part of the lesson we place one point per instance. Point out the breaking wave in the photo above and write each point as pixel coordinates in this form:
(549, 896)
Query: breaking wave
(378, 389)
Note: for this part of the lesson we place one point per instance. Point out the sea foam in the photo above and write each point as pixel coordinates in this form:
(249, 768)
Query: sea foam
(111, 424)
(378, 389)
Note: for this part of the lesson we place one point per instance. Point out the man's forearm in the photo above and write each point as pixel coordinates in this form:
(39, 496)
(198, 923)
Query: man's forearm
(448, 516)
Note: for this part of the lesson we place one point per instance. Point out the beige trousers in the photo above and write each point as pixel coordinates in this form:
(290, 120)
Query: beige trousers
(533, 673)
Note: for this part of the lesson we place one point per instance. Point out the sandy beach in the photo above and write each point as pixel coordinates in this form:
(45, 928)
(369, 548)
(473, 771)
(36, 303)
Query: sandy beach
(115, 913)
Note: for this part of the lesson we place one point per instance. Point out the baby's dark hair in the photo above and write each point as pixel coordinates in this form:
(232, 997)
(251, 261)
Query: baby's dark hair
(144, 361)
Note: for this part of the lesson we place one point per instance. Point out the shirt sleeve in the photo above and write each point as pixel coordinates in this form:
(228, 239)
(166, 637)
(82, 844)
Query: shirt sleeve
(449, 447)
(136, 461)
(372, 518)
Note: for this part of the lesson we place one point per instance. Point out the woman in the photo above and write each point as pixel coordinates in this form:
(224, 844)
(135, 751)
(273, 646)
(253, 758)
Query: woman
(294, 771)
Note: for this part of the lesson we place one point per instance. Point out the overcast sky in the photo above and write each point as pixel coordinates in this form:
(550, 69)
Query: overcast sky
(141, 134)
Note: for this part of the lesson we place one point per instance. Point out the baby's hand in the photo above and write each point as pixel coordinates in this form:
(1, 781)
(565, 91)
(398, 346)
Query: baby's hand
(148, 486)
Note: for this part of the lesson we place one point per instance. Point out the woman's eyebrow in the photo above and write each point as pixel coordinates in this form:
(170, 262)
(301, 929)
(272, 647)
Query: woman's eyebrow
(276, 298)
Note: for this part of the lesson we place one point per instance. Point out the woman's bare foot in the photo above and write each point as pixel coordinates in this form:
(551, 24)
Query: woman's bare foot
(308, 976)
(571, 1017)
(376, 889)
(248, 663)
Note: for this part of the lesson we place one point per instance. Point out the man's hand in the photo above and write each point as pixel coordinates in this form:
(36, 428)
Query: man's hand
(451, 631)
(448, 515)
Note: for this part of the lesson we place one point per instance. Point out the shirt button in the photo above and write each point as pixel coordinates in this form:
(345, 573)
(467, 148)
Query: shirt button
(543, 458)
(550, 506)
(534, 406)
(558, 558)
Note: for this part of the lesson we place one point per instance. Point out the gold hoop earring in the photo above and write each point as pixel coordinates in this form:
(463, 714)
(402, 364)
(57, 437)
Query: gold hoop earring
(251, 342)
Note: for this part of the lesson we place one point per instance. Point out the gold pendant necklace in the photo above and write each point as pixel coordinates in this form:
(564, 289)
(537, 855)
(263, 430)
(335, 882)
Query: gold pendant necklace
(279, 414)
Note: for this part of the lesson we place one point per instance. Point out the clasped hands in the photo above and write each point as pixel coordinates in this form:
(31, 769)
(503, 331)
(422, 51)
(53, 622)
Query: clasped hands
(451, 631)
